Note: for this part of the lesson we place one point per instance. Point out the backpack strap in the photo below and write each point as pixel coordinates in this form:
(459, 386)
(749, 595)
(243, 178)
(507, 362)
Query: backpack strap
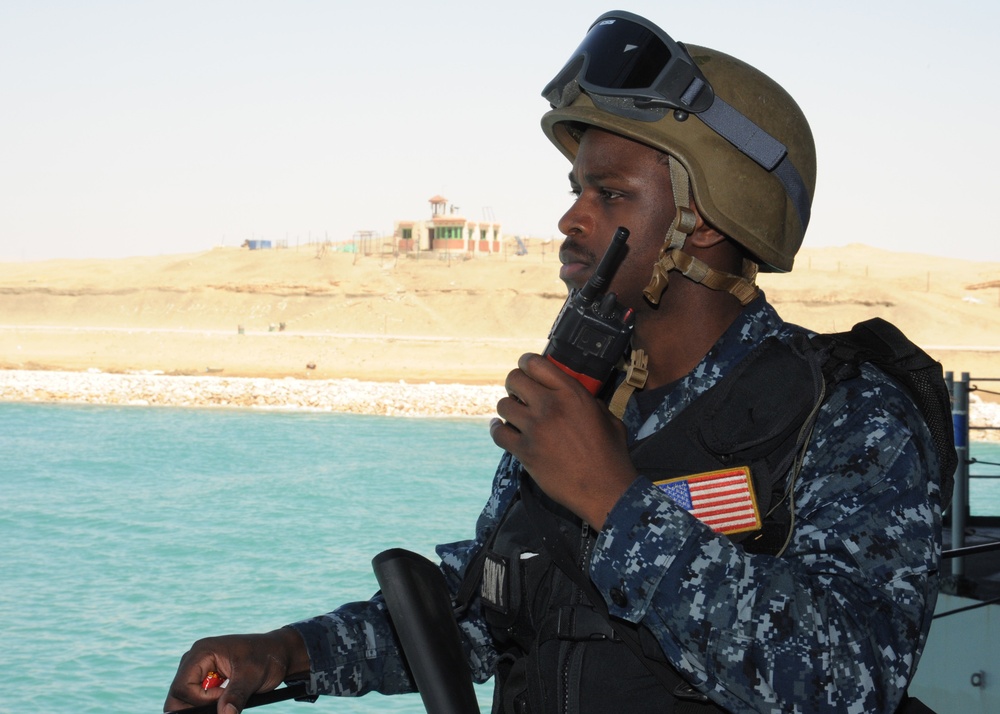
(882, 344)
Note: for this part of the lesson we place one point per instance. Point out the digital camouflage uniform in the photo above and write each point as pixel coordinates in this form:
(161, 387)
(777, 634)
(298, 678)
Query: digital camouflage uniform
(835, 624)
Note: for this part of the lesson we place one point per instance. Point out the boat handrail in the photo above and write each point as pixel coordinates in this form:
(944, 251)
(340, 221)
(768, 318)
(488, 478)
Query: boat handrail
(959, 508)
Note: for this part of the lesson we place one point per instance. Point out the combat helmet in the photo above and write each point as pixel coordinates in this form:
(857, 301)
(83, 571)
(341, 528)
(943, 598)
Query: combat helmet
(733, 135)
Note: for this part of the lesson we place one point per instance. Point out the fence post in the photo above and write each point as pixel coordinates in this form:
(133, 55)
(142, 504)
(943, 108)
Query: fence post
(960, 498)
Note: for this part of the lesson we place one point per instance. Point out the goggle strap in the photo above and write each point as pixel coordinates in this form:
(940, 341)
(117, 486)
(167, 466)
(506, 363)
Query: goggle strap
(795, 188)
(760, 146)
(742, 133)
(693, 90)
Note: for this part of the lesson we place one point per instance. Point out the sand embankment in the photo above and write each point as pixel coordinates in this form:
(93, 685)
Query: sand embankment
(334, 323)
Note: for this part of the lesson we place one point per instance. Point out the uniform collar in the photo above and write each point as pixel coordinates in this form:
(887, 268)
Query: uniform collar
(755, 323)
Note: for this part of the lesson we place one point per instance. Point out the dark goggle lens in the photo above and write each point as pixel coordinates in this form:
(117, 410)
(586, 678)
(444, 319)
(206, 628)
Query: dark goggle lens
(622, 55)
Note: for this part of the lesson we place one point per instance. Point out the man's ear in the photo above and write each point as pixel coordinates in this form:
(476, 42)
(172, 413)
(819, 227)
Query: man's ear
(703, 236)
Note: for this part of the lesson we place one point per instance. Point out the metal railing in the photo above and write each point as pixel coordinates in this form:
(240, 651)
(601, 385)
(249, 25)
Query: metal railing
(959, 509)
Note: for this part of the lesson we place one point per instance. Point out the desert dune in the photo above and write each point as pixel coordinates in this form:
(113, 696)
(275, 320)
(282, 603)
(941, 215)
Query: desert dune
(315, 314)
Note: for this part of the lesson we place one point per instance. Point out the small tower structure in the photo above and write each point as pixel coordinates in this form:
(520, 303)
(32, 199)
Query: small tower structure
(448, 231)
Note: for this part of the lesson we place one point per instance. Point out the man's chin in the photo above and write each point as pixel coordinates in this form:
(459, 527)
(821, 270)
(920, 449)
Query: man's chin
(574, 275)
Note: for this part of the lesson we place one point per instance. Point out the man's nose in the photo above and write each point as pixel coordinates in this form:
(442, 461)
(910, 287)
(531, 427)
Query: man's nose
(576, 220)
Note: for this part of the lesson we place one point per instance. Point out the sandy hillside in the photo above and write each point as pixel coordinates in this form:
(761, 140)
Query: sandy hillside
(441, 319)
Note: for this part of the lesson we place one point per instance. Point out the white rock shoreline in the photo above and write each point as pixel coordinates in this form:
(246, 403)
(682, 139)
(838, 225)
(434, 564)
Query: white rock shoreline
(332, 395)
(337, 395)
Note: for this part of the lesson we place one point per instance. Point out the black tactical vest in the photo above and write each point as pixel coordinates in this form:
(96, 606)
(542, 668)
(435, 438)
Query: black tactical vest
(558, 651)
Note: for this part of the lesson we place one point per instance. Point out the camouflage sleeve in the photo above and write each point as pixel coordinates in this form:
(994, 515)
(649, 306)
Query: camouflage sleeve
(838, 621)
(353, 650)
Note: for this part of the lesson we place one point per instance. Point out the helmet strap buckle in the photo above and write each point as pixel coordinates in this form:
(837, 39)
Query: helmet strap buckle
(681, 227)
(673, 257)
(636, 373)
(742, 287)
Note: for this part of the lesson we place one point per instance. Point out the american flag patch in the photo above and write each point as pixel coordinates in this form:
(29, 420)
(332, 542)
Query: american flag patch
(723, 500)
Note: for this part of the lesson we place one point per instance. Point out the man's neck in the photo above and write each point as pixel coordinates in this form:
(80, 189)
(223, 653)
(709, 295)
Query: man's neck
(678, 333)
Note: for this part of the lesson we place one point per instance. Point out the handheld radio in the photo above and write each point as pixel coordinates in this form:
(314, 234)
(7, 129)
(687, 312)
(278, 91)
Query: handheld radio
(592, 330)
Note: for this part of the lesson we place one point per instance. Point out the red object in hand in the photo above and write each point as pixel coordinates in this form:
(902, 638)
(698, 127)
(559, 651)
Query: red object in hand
(211, 680)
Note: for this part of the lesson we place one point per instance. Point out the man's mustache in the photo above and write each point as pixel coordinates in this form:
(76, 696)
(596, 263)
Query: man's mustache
(572, 248)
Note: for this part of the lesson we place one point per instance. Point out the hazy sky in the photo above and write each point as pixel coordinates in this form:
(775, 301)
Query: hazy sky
(148, 127)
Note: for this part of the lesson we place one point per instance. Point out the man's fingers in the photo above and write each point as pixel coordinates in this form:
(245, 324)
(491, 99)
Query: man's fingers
(510, 407)
(540, 369)
(235, 699)
(182, 703)
(546, 373)
(520, 385)
(500, 433)
(534, 377)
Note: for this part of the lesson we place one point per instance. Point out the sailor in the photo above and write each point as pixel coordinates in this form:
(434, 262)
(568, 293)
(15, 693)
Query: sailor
(603, 575)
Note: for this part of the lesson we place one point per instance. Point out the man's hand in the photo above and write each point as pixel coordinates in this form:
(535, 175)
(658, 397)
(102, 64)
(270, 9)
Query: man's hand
(251, 663)
(573, 447)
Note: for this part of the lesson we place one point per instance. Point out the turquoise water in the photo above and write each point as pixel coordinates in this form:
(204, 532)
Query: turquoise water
(984, 493)
(127, 533)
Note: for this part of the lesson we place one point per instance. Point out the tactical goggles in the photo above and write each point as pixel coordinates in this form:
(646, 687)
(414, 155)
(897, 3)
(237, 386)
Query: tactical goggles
(630, 67)
(635, 68)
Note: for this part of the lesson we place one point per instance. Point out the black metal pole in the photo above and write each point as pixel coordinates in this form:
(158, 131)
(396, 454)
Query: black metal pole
(297, 690)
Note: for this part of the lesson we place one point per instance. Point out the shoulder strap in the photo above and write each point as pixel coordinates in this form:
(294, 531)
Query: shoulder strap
(758, 415)
(882, 344)
(469, 586)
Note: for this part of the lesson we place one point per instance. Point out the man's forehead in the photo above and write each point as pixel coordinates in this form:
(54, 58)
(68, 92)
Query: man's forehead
(588, 133)
(618, 157)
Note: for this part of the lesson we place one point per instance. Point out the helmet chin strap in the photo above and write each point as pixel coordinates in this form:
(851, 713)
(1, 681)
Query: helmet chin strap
(673, 257)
